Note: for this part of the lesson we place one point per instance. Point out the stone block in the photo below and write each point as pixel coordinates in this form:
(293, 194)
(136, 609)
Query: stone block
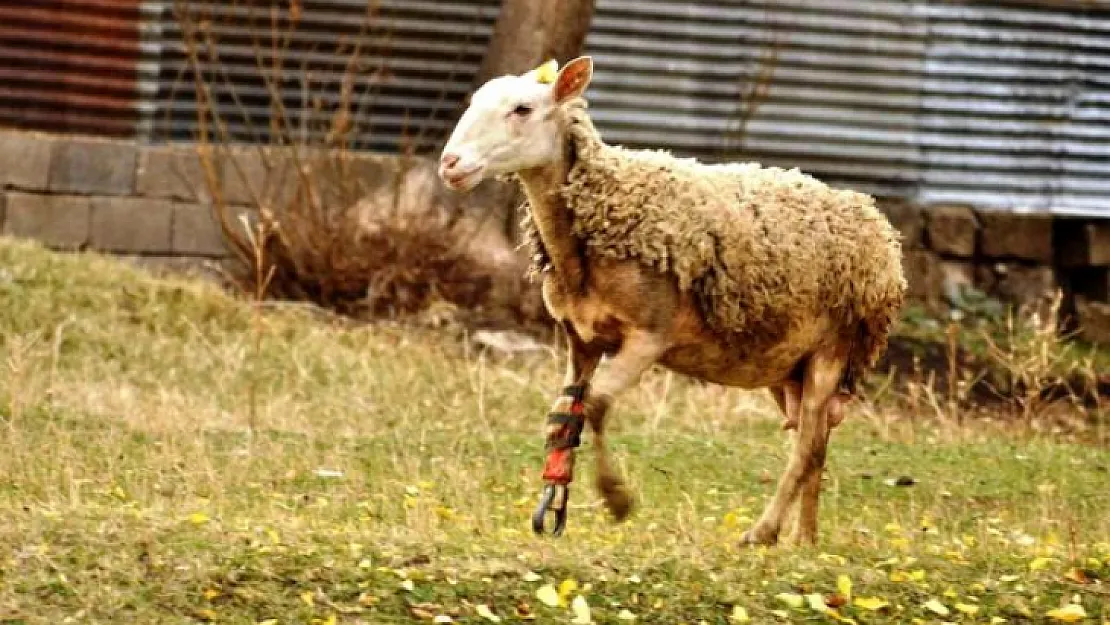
(924, 276)
(258, 175)
(1023, 284)
(55, 220)
(1094, 321)
(93, 167)
(1082, 244)
(952, 230)
(134, 225)
(908, 219)
(1009, 235)
(174, 173)
(24, 160)
(196, 231)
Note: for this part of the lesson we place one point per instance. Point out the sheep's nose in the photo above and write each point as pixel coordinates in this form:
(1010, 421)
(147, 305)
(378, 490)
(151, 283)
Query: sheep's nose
(448, 161)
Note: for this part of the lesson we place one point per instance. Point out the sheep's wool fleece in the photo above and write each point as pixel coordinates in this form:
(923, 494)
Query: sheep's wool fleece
(759, 247)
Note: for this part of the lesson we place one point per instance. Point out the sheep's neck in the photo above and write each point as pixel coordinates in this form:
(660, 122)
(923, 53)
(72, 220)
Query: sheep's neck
(554, 221)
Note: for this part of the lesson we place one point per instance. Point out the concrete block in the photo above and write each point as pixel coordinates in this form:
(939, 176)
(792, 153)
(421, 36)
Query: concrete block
(135, 225)
(24, 160)
(907, 218)
(173, 173)
(251, 176)
(1022, 283)
(1094, 321)
(196, 231)
(924, 276)
(55, 220)
(951, 230)
(93, 167)
(1080, 243)
(1023, 237)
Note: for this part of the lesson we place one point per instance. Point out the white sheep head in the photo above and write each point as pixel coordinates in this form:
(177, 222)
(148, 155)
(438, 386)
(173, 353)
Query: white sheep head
(513, 123)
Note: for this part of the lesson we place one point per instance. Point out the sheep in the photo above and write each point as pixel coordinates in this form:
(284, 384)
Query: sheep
(735, 274)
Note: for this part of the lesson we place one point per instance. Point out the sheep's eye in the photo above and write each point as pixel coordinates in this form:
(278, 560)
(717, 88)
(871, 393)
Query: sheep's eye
(522, 110)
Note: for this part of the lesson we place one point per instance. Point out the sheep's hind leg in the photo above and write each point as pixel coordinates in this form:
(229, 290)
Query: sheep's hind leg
(638, 352)
(821, 378)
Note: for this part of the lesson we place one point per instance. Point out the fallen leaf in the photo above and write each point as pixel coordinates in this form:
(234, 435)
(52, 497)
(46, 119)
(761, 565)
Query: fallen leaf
(791, 599)
(936, 607)
(1038, 563)
(548, 595)
(1071, 613)
(483, 611)
(870, 603)
(408, 585)
(531, 577)
(844, 586)
(443, 618)
(836, 600)
(524, 612)
(308, 598)
(581, 611)
(739, 615)
(817, 603)
(421, 613)
(626, 615)
(1077, 575)
(967, 608)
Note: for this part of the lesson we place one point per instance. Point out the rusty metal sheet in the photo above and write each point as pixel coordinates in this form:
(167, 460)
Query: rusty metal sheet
(70, 66)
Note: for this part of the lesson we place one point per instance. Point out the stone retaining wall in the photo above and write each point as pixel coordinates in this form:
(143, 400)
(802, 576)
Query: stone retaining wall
(151, 201)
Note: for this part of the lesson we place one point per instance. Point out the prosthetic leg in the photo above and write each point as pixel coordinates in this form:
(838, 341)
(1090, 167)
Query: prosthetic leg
(564, 435)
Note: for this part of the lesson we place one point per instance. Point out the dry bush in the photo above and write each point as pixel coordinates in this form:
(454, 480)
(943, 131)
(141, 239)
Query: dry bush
(325, 223)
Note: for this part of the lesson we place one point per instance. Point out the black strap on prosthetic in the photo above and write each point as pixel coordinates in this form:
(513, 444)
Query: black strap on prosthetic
(567, 420)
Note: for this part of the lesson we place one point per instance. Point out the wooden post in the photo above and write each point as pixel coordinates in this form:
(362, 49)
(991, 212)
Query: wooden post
(527, 33)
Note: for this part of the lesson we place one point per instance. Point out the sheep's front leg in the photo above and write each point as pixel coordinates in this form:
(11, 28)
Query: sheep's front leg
(638, 352)
(564, 427)
(822, 377)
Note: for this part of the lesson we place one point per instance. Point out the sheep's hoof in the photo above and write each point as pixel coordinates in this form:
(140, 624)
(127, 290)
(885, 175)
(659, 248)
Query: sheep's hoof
(617, 498)
(760, 535)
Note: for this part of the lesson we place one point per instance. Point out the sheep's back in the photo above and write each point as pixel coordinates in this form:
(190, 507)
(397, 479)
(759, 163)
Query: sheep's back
(762, 248)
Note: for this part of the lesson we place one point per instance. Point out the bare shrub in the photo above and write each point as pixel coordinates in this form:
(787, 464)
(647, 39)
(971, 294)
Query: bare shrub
(323, 223)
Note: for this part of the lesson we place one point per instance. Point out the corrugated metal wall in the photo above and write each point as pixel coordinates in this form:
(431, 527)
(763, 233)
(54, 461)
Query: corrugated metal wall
(416, 62)
(1004, 106)
(70, 66)
(999, 106)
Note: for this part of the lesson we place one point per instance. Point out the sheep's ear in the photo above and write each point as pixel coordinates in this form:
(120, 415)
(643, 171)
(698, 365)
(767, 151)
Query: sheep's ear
(573, 79)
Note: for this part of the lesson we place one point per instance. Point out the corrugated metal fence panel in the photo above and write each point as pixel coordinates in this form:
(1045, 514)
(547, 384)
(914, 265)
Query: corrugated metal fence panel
(1016, 108)
(70, 66)
(997, 106)
(842, 103)
(414, 64)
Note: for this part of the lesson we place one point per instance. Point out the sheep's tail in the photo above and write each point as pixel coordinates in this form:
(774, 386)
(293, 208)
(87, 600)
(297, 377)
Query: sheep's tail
(870, 342)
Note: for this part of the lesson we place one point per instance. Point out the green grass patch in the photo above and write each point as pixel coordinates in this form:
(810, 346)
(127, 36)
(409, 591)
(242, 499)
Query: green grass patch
(169, 456)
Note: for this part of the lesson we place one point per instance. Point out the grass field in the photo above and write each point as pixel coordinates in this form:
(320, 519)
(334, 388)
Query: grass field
(169, 456)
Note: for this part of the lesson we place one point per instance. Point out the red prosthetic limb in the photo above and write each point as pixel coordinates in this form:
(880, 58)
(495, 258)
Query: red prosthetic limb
(565, 424)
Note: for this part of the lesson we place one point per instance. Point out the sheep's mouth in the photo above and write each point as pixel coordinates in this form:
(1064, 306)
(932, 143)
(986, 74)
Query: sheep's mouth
(464, 181)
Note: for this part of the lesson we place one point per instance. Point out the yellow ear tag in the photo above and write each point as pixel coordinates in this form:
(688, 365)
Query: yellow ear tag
(545, 74)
